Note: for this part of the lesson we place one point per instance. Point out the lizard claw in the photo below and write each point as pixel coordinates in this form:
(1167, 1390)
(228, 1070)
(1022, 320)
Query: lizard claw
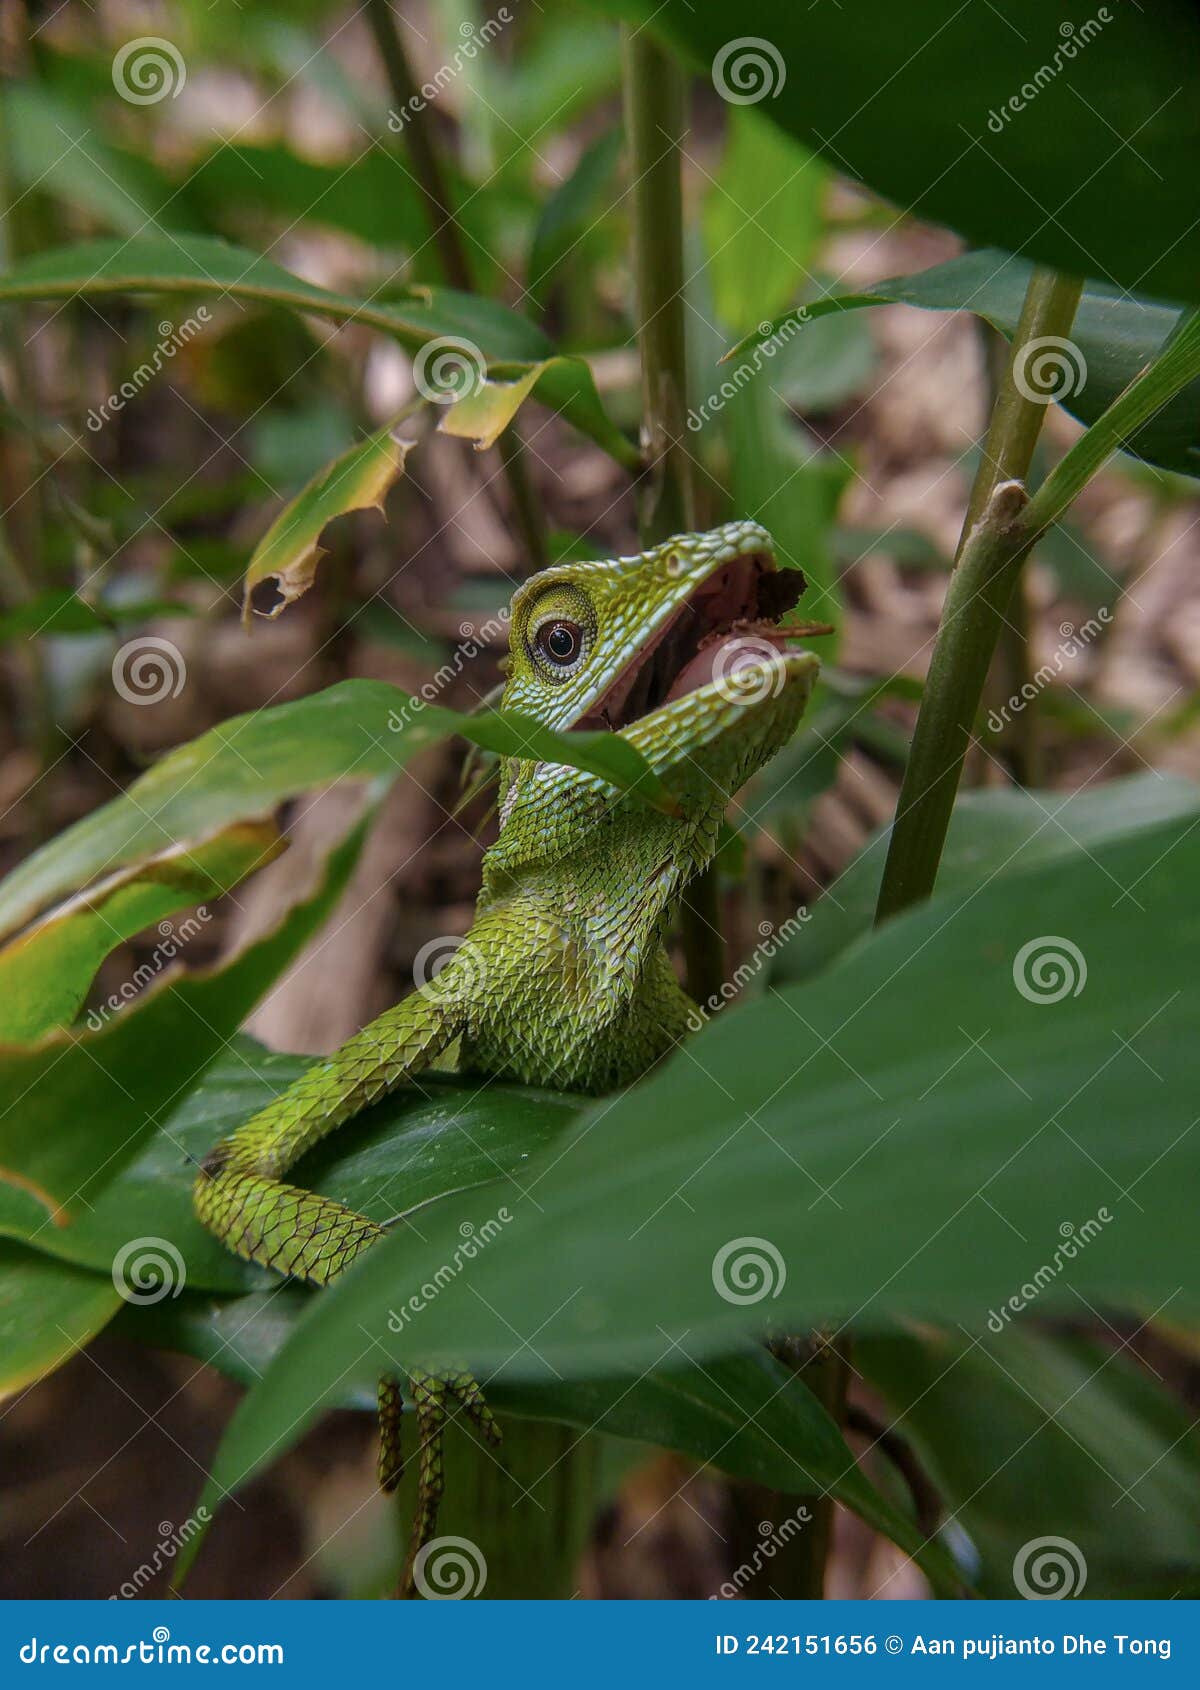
(434, 1397)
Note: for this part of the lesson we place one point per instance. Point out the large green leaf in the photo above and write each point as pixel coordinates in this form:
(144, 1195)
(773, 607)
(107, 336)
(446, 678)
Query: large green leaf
(991, 833)
(1030, 1437)
(1095, 175)
(46, 971)
(76, 1107)
(245, 766)
(1113, 337)
(195, 264)
(47, 1311)
(905, 1135)
(438, 1137)
(762, 220)
(744, 1412)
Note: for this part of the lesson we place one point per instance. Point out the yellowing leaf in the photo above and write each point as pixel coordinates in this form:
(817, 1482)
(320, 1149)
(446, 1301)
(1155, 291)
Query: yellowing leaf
(484, 414)
(45, 972)
(289, 551)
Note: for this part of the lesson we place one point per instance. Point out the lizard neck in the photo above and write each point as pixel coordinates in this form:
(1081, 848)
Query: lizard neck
(571, 985)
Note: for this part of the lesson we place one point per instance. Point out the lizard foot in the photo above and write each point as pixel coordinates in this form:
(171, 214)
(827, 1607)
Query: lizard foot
(435, 1397)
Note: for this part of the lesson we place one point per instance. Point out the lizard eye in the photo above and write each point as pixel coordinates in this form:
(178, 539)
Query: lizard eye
(560, 642)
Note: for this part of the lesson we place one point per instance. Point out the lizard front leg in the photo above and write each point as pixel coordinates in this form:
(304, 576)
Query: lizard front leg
(240, 1196)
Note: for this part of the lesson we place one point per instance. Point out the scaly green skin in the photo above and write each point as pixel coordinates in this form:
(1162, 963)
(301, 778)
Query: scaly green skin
(563, 979)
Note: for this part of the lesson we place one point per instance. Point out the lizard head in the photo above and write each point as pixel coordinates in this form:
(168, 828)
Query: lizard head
(679, 649)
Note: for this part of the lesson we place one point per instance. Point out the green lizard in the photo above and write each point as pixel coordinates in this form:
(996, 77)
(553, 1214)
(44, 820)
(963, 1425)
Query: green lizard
(563, 979)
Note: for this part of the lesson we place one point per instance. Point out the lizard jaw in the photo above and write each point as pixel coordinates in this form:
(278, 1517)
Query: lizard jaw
(726, 624)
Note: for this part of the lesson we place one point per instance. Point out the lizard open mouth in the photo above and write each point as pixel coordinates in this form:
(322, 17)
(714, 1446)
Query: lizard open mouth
(731, 619)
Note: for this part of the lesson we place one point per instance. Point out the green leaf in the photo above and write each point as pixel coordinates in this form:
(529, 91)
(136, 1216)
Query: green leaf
(289, 551)
(58, 611)
(571, 210)
(762, 219)
(991, 833)
(250, 763)
(47, 1311)
(847, 1133)
(744, 1413)
(1086, 177)
(195, 264)
(1029, 1436)
(780, 478)
(46, 972)
(1114, 336)
(429, 1140)
(76, 1107)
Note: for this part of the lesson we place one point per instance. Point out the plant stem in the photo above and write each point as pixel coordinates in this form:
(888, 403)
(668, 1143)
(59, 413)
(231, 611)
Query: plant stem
(993, 545)
(655, 117)
(446, 231)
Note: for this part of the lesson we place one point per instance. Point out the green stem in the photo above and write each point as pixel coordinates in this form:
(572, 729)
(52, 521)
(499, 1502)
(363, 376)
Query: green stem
(655, 116)
(413, 116)
(993, 546)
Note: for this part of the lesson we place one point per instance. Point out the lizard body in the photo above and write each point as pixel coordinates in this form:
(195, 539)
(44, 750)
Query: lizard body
(563, 979)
